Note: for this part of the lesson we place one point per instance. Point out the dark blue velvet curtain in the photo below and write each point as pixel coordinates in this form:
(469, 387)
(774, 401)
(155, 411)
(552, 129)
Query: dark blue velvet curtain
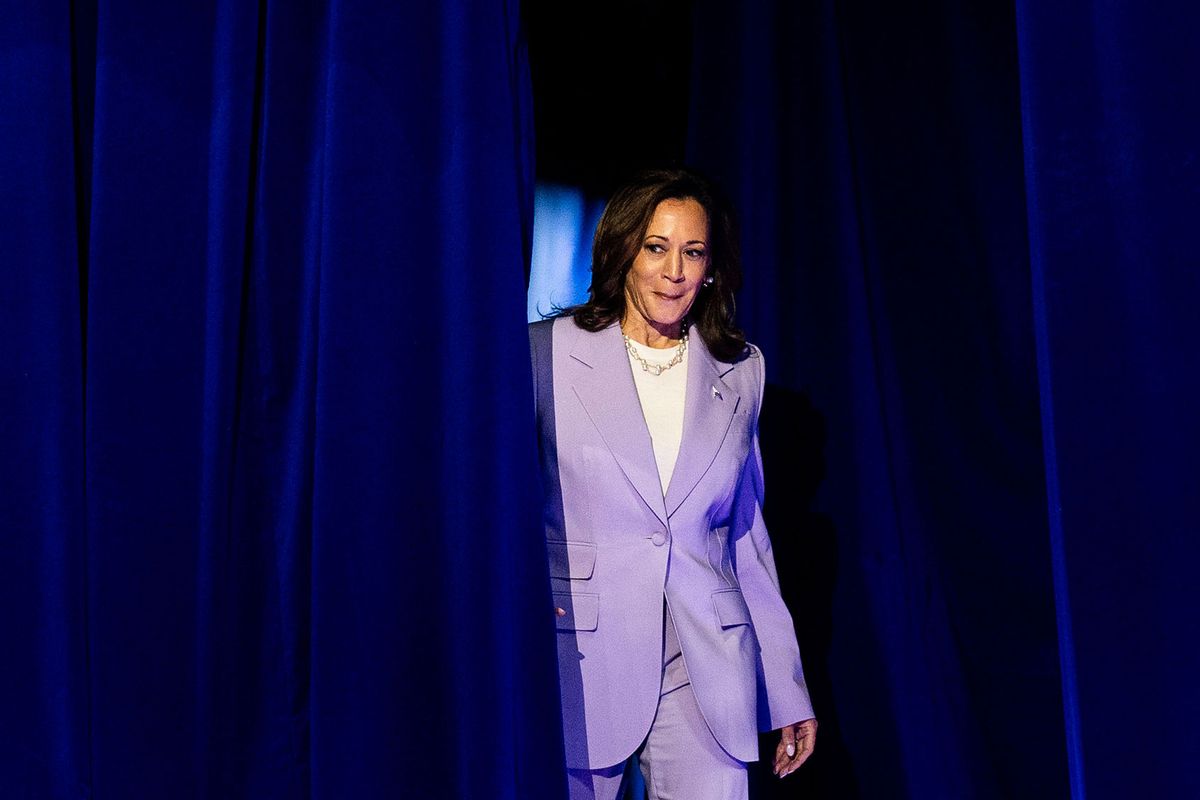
(970, 232)
(269, 515)
(1111, 121)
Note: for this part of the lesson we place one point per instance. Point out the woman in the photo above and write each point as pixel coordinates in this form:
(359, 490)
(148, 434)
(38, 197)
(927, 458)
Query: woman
(673, 640)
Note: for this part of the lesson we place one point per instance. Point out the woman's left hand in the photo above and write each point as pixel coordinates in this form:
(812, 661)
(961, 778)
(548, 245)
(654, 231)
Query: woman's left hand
(795, 746)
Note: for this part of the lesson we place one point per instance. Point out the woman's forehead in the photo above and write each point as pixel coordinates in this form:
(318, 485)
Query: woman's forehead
(680, 215)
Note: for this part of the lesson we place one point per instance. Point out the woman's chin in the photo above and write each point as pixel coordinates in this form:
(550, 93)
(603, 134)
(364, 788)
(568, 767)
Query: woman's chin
(668, 315)
(667, 323)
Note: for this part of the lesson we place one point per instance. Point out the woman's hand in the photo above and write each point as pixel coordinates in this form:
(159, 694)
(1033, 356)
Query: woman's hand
(795, 746)
(560, 612)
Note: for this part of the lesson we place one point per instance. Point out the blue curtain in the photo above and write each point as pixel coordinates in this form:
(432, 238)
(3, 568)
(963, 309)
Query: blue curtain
(1111, 123)
(270, 517)
(970, 233)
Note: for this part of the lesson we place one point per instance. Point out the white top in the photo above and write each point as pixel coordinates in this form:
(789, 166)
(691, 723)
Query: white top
(662, 399)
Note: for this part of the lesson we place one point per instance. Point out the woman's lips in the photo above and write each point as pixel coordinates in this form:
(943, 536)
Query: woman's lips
(669, 296)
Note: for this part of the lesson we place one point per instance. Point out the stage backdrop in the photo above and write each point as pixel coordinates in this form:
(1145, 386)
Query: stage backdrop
(269, 517)
(971, 250)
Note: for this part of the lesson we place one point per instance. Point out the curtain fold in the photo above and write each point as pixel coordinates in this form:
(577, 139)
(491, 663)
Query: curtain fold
(284, 541)
(44, 692)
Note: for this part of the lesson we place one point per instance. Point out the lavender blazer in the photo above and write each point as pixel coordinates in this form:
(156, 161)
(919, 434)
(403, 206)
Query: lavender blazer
(616, 546)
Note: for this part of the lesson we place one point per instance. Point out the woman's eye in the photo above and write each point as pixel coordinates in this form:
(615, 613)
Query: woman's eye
(695, 253)
(656, 248)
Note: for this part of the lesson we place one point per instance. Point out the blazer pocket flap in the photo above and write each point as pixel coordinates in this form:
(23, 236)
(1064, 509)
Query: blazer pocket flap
(583, 609)
(574, 560)
(731, 607)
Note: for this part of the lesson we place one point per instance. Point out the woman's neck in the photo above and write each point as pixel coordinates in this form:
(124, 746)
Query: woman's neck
(651, 335)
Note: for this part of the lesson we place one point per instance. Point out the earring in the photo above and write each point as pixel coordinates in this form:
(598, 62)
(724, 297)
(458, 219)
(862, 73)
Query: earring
(709, 280)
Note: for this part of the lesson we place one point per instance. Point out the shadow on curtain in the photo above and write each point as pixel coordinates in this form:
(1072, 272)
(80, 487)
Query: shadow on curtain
(270, 512)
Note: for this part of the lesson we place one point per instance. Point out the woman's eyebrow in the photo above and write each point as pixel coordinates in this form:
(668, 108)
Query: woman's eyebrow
(667, 239)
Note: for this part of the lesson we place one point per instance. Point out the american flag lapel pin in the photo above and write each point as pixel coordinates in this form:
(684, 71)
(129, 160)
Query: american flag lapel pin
(717, 394)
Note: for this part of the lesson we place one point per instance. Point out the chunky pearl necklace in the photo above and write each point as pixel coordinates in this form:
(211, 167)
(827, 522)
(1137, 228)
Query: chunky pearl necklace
(657, 369)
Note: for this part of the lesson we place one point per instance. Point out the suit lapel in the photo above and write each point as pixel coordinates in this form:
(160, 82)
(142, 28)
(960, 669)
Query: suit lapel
(603, 382)
(707, 412)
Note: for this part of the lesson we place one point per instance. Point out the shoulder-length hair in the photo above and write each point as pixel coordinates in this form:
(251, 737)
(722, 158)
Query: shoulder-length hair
(619, 237)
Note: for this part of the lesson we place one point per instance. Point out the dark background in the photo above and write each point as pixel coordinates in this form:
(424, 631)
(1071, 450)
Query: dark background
(611, 88)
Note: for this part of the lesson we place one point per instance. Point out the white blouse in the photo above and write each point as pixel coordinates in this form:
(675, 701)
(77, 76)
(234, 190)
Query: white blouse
(662, 398)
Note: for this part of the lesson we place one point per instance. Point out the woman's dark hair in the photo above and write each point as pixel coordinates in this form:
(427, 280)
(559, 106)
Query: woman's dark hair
(619, 237)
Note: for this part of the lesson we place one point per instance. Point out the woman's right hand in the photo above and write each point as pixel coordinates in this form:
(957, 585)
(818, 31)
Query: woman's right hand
(560, 612)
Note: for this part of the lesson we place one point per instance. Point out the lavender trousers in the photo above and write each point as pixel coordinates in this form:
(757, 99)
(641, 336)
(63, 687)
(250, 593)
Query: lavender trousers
(679, 758)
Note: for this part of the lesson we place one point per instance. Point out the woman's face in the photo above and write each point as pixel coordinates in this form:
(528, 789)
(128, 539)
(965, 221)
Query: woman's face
(669, 267)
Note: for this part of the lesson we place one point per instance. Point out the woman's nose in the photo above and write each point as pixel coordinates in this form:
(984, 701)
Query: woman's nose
(674, 267)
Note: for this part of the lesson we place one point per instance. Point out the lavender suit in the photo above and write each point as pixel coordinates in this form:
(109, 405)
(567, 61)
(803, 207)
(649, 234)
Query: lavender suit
(616, 546)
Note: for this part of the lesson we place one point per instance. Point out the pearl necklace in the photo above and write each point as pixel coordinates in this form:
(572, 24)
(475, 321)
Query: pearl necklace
(657, 369)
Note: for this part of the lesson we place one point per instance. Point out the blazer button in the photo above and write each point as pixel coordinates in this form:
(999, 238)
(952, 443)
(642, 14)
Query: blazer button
(659, 538)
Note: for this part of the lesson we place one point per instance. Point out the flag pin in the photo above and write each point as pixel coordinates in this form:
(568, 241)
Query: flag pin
(717, 394)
